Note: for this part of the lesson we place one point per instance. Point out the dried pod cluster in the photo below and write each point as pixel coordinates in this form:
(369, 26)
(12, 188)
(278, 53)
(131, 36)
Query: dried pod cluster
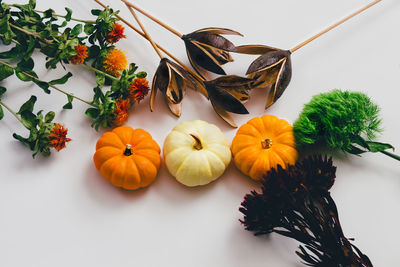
(207, 50)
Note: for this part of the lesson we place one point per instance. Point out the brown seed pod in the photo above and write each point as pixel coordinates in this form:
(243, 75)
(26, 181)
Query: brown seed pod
(172, 80)
(227, 94)
(272, 69)
(207, 50)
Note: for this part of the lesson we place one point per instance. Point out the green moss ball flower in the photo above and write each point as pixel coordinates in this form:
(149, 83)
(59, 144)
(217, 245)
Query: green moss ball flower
(341, 120)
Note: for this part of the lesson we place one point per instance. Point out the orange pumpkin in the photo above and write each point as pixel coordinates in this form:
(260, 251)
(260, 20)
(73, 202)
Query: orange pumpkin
(127, 158)
(262, 144)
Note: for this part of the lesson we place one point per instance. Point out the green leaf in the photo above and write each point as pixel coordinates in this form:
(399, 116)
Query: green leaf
(29, 119)
(92, 113)
(88, 28)
(69, 14)
(378, 147)
(5, 71)
(95, 12)
(77, 30)
(21, 139)
(13, 53)
(43, 85)
(100, 79)
(25, 75)
(28, 105)
(141, 74)
(32, 4)
(62, 80)
(2, 91)
(48, 13)
(49, 116)
(69, 104)
(94, 51)
(4, 25)
(26, 65)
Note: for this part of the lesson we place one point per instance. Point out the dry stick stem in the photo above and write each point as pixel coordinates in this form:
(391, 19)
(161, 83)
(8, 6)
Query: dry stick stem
(144, 31)
(159, 46)
(153, 18)
(334, 26)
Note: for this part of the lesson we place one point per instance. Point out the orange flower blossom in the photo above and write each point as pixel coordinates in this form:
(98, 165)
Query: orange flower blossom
(115, 62)
(116, 33)
(81, 54)
(58, 137)
(138, 89)
(121, 111)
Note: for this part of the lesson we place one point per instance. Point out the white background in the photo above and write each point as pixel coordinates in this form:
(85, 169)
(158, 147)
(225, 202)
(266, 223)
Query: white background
(59, 211)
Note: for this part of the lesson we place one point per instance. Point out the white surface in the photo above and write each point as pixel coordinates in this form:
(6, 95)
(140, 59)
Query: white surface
(60, 212)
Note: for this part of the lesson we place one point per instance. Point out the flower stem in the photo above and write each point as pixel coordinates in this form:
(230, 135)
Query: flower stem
(159, 46)
(12, 40)
(101, 72)
(11, 111)
(62, 16)
(334, 26)
(34, 34)
(50, 85)
(153, 18)
(394, 156)
(144, 30)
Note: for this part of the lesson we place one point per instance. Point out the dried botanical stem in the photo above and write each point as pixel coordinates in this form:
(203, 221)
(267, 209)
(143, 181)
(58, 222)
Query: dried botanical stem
(11, 111)
(144, 31)
(153, 18)
(159, 46)
(334, 26)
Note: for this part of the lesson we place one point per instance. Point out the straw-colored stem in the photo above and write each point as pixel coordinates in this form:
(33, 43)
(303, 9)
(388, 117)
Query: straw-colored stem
(153, 18)
(334, 26)
(144, 31)
(11, 111)
(159, 46)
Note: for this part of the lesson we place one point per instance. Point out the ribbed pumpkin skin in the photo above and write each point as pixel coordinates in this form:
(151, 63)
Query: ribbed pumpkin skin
(252, 158)
(193, 167)
(129, 172)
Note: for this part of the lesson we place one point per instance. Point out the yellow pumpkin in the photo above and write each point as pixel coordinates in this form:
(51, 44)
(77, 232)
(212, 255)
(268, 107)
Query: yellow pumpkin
(127, 158)
(263, 143)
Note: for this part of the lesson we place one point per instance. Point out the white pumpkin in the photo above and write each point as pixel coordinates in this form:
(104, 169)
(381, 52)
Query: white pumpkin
(196, 152)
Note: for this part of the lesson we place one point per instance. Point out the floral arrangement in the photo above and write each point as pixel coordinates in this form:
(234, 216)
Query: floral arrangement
(296, 203)
(90, 44)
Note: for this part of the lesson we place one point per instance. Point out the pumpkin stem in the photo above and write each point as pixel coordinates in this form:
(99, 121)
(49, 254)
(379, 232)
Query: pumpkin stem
(267, 143)
(198, 144)
(128, 150)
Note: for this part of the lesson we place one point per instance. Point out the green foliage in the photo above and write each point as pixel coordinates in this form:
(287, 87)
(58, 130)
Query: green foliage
(103, 115)
(56, 37)
(340, 119)
(98, 32)
(39, 127)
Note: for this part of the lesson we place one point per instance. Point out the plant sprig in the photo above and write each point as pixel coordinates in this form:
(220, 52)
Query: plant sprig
(90, 43)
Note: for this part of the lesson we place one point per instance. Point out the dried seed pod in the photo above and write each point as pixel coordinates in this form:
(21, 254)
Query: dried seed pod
(172, 80)
(272, 69)
(207, 50)
(227, 94)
